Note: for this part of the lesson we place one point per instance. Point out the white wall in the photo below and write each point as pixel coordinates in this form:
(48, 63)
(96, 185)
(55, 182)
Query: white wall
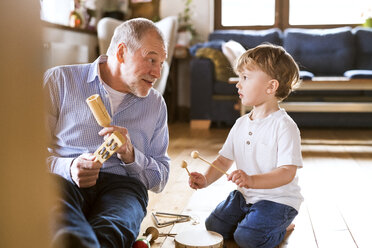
(203, 21)
(203, 13)
(68, 47)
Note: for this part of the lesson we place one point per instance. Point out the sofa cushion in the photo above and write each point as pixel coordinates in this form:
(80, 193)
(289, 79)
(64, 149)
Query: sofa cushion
(224, 89)
(358, 74)
(215, 44)
(324, 52)
(306, 75)
(232, 50)
(222, 68)
(363, 41)
(248, 38)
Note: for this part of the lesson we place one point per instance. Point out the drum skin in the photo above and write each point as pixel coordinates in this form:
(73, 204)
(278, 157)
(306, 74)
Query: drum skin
(199, 239)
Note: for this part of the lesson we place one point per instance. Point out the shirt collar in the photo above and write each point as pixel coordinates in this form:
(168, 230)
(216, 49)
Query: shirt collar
(272, 115)
(94, 67)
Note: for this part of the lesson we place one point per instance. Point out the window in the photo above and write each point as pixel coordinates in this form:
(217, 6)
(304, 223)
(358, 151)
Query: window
(262, 14)
(318, 12)
(247, 12)
(56, 11)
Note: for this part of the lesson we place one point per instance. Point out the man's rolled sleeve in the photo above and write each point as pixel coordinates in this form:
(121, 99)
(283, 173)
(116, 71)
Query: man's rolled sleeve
(60, 166)
(153, 173)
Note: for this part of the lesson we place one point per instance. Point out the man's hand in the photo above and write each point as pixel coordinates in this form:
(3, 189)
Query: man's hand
(125, 152)
(197, 180)
(84, 171)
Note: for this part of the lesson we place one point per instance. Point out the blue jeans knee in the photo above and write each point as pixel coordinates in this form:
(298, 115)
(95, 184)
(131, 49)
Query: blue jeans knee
(213, 223)
(249, 238)
(265, 225)
(227, 215)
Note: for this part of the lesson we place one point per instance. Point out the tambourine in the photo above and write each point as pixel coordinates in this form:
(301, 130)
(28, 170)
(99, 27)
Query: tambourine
(198, 239)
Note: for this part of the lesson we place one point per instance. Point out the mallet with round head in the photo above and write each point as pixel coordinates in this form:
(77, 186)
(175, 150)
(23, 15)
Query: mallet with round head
(151, 234)
(184, 165)
(195, 155)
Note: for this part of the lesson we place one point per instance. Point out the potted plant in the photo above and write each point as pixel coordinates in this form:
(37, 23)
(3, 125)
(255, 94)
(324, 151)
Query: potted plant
(368, 18)
(186, 30)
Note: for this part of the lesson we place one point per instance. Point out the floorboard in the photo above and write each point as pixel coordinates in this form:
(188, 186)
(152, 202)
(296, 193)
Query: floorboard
(335, 181)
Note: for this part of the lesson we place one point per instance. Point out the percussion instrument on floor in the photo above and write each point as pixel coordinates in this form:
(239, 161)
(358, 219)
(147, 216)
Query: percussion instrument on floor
(198, 239)
(151, 234)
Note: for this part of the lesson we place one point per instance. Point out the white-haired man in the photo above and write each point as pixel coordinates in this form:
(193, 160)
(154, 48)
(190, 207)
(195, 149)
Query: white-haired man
(104, 205)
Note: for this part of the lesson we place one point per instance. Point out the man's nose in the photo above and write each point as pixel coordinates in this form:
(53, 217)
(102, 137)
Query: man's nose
(156, 71)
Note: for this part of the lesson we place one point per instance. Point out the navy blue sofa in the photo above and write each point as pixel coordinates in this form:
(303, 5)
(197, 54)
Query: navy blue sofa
(330, 53)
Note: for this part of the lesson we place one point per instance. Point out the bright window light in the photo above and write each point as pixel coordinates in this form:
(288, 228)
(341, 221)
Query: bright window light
(247, 12)
(322, 12)
(56, 11)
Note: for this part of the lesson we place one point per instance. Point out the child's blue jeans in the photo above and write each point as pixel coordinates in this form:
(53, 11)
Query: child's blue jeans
(108, 214)
(262, 224)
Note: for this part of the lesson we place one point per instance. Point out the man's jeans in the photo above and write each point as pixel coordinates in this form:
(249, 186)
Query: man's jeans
(108, 214)
(262, 224)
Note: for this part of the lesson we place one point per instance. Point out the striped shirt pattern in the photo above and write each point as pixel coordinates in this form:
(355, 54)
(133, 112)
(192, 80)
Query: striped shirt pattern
(73, 129)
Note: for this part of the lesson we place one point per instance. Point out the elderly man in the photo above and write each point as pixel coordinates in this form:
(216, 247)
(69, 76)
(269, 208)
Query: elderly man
(103, 205)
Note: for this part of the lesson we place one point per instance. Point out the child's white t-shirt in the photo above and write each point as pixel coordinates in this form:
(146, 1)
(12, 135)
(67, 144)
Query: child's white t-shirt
(262, 145)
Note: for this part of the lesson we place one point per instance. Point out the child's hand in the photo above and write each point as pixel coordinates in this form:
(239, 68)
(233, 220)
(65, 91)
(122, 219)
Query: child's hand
(197, 180)
(240, 178)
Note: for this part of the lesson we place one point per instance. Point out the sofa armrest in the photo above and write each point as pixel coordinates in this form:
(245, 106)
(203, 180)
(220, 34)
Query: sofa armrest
(201, 88)
(358, 74)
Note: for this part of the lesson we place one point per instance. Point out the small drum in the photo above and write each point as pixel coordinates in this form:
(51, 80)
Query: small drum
(199, 239)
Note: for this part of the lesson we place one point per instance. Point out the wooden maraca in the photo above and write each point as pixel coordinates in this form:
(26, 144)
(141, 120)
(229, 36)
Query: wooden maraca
(195, 155)
(184, 165)
(151, 234)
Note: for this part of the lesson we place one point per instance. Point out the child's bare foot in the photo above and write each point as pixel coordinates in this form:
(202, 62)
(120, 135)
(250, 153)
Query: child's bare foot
(290, 228)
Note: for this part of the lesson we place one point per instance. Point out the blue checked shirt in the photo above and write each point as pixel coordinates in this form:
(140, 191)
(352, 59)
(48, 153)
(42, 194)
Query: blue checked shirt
(74, 130)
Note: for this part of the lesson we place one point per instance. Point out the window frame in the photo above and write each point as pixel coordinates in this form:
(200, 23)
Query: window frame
(281, 19)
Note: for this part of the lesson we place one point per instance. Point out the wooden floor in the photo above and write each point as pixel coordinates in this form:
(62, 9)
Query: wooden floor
(336, 182)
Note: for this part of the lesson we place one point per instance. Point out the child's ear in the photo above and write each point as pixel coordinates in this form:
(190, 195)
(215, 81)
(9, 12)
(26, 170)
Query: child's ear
(273, 86)
(120, 52)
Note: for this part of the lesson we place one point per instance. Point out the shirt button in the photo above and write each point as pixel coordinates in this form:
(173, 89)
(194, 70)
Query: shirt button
(250, 133)
(248, 142)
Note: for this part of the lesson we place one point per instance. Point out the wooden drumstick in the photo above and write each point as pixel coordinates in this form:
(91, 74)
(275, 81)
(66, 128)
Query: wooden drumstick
(184, 165)
(195, 155)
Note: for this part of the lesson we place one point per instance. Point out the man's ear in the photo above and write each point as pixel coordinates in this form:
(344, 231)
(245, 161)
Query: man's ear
(120, 51)
(273, 86)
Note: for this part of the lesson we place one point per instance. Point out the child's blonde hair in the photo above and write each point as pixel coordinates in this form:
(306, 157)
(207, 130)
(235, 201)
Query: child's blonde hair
(275, 62)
